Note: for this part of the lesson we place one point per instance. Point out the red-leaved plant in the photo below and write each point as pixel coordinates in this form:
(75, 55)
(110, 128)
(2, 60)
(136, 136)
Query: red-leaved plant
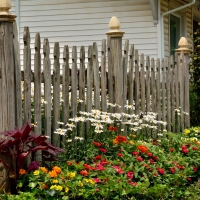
(19, 144)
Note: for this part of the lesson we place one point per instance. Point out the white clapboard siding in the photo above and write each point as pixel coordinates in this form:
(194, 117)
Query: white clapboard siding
(167, 5)
(82, 22)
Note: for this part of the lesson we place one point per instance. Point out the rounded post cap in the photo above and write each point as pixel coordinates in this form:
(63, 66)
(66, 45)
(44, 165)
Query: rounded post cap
(183, 45)
(5, 15)
(114, 25)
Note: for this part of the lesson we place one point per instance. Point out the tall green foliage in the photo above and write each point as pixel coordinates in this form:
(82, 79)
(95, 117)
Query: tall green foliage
(195, 80)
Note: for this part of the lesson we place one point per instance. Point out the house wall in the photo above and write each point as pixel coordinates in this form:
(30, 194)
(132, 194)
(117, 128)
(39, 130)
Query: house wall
(82, 22)
(167, 5)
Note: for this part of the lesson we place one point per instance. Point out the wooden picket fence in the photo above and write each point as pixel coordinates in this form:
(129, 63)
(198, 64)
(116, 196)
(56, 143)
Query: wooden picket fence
(158, 86)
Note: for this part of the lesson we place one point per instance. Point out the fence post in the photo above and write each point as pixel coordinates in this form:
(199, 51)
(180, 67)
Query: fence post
(7, 83)
(116, 52)
(183, 47)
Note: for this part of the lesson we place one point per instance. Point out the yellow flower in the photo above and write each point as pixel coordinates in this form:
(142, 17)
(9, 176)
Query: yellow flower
(53, 187)
(71, 174)
(186, 131)
(36, 172)
(55, 181)
(66, 189)
(59, 188)
(80, 184)
(131, 142)
(193, 139)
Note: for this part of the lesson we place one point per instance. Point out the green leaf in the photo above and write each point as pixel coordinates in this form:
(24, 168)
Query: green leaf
(32, 184)
(187, 193)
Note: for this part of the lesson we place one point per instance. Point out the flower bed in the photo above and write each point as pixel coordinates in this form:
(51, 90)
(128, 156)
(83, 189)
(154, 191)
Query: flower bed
(121, 167)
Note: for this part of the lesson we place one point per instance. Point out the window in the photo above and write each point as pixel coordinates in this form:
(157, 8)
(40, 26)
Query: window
(177, 30)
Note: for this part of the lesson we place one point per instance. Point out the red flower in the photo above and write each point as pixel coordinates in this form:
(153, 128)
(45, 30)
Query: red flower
(103, 150)
(104, 162)
(161, 171)
(120, 154)
(69, 163)
(149, 154)
(133, 183)
(172, 170)
(155, 158)
(194, 148)
(140, 159)
(135, 153)
(97, 144)
(119, 139)
(184, 150)
(150, 170)
(142, 148)
(171, 149)
(189, 179)
(98, 157)
(151, 161)
(155, 174)
(179, 167)
(195, 169)
(112, 128)
(87, 167)
(84, 172)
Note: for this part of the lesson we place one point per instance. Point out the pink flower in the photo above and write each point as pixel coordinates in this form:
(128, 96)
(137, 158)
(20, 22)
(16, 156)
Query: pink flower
(135, 153)
(99, 167)
(133, 183)
(97, 180)
(103, 150)
(140, 159)
(195, 169)
(120, 154)
(130, 175)
(118, 169)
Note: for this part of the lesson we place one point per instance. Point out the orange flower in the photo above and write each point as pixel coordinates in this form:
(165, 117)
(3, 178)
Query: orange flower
(119, 139)
(142, 148)
(57, 169)
(84, 172)
(44, 186)
(52, 174)
(44, 169)
(22, 171)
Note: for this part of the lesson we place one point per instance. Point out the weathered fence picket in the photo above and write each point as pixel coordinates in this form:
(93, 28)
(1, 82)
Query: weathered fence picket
(130, 77)
(18, 100)
(147, 84)
(103, 77)
(47, 89)
(96, 77)
(56, 93)
(27, 75)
